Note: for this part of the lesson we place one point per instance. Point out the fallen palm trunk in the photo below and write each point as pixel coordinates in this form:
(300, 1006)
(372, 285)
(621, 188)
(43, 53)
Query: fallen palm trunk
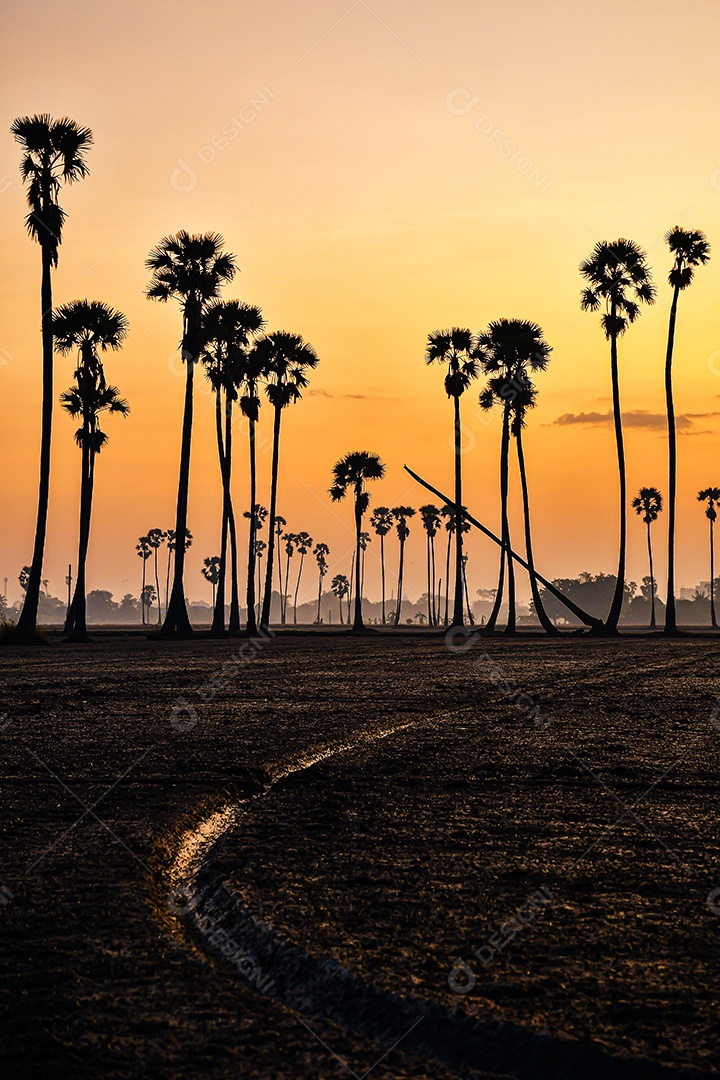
(589, 620)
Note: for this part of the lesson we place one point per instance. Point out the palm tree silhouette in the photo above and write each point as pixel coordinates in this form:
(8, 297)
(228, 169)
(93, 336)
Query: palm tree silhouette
(711, 495)
(90, 327)
(619, 280)
(304, 543)
(321, 552)
(227, 327)
(340, 587)
(431, 523)
(190, 269)
(365, 539)
(381, 521)
(352, 473)
(157, 537)
(144, 552)
(171, 546)
(211, 572)
(689, 249)
(54, 152)
(257, 519)
(447, 511)
(508, 351)
(252, 371)
(285, 358)
(401, 515)
(280, 524)
(456, 349)
(290, 541)
(648, 502)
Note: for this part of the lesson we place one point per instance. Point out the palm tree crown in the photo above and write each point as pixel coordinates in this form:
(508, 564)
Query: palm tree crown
(648, 503)
(352, 471)
(689, 248)
(619, 276)
(455, 348)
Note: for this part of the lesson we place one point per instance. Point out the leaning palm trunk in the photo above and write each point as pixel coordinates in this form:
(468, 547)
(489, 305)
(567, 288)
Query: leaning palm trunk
(616, 606)
(28, 616)
(177, 622)
(267, 597)
(652, 579)
(458, 615)
(670, 616)
(218, 620)
(251, 622)
(545, 621)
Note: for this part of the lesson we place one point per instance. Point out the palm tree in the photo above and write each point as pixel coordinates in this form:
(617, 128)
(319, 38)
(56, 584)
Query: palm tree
(401, 515)
(157, 537)
(381, 521)
(91, 328)
(448, 512)
(285, 359)
(144, 552)
(211, 572)
(525, 399)
(340, 587)
(431, 523)
(456, 349)
(365, 539)
(290, 541)
(321, 552)
(352, 473)
(280, 524)
(54, 152)
(304, 543)
(711, 495)
(689, 249)
(171, 545)
(227, 327)
(190, 269)
(257, 520)
(648, 502)
(252, 370)
(619, 279)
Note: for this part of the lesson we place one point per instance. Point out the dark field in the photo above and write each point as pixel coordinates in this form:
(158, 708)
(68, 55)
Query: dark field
(394, 858)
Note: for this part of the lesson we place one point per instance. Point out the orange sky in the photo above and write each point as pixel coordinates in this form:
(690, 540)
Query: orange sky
(370, 199)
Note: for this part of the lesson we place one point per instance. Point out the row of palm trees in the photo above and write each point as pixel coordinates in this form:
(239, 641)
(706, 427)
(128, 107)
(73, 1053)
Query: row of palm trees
(243, 363)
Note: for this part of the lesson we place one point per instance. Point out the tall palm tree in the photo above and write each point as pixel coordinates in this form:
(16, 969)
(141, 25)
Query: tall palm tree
(431, 523)
(189, 268)
(689, 249)
(304, 543)
(525, 399)
(455, 349)
(648, 503)
(321, 552)
(90, 327)
(352, 473)
(340, 587)
(400, 515)
(211, 572)
(619, 281)
(290, 542)
(144, 552)
(508, 351)
(711, 495)
(280, 524)
(227, 327)
(382, 521)
(252, 371)
(54, 153)
(285, 359)
(157, 537)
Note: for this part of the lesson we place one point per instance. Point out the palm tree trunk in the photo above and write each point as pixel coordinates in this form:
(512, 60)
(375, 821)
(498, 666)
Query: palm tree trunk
(471, 620)
(545, 621)
(652, 579)
(433, 580)
(167, 579)
(218, 619)
(617, 601)
(429, 579)
(267, 597)
(157, 585)
(27, 621)
(401, 567)
(505, 531)
(670, 616)
(350, 587)
(297, 588)
(358, 619)
(142, 594)
(447, 579)
(713, 620)
(234, 620)
(382, 574)
(251, 622)
(75, 624)
(458, 615)
(280, 578)
(284, 590)
(177, 623)
(320, 581)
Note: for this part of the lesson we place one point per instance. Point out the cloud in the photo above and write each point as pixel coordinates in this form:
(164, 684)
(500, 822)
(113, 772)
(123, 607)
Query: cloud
(634, 418)
(319, 392)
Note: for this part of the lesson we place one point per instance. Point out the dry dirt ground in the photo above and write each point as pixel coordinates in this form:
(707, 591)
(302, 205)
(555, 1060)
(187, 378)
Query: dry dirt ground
(397, 858)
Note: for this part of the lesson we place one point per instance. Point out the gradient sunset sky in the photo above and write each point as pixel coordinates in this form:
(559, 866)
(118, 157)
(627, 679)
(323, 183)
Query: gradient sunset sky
(380, 170)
